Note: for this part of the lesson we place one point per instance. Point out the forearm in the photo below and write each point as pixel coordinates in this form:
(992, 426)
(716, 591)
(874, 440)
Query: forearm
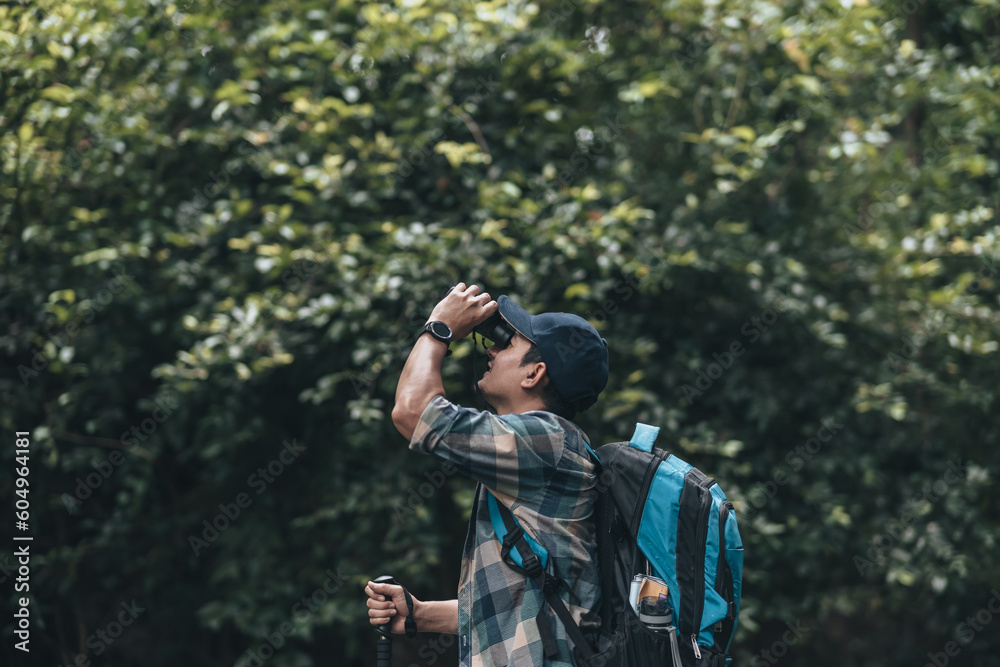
(419, 382)
(437, 616)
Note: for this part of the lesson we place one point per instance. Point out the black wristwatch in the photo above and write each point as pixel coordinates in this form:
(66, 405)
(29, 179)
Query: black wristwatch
(440, 331)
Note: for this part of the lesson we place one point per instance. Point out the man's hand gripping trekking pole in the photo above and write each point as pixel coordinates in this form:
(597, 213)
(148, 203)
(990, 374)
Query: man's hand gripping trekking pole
(390, 610)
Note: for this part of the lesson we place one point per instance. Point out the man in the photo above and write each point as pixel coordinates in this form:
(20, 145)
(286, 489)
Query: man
(529, 455)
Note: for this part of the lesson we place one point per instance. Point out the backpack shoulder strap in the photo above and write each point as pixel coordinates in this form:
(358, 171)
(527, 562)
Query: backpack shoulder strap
(532, 567)
(500, 528)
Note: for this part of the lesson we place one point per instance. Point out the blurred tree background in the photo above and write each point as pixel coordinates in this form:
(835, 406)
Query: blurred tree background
(223, 222)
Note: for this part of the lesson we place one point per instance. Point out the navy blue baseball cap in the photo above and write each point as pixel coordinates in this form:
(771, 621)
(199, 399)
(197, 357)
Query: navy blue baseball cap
(575, 355)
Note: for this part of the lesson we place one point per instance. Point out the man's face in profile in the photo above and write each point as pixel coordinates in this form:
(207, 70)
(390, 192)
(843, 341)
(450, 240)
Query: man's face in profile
(504, 372)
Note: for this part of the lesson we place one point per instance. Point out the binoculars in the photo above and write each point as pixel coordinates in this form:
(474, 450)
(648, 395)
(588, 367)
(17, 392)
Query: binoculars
(495, 329)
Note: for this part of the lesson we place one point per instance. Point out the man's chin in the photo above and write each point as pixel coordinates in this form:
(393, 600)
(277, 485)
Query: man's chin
(483, 389)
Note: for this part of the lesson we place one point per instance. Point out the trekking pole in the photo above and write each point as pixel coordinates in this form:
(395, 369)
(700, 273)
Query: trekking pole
(383, 650)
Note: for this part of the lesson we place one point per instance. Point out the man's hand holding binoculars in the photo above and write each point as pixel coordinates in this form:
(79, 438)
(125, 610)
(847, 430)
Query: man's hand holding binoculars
(462, 309)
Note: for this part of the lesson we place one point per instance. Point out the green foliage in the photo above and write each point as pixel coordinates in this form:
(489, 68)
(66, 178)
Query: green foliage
(223, 222)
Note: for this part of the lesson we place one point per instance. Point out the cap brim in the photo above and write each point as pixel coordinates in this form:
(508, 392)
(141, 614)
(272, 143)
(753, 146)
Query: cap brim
(516, 317)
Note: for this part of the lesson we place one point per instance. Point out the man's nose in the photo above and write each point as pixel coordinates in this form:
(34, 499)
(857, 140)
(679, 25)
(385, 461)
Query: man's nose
(493, 350)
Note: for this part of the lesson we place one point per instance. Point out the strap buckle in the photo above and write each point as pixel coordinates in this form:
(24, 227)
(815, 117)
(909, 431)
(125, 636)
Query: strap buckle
(511, 538)
(532, 565)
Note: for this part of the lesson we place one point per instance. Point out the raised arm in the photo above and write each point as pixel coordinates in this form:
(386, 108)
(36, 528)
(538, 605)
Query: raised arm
(420, 381)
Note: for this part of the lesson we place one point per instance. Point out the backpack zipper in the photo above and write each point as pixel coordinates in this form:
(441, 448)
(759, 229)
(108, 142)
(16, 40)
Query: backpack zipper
(647, 481)
(702, 536)
(724, 577)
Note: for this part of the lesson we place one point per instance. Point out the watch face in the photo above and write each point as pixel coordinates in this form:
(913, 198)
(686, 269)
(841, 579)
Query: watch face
(440, 329)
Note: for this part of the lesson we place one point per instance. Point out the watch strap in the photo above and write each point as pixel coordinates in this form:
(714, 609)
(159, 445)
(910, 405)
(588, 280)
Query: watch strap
(426, 330)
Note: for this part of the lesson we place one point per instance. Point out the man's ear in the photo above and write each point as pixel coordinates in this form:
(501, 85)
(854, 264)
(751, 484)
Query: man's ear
(537, 376)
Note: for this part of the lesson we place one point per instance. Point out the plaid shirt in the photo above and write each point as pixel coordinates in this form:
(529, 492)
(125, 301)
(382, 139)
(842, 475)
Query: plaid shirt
(536, 464)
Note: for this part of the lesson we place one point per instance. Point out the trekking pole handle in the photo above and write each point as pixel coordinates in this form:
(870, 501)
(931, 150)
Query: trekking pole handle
(383, 650)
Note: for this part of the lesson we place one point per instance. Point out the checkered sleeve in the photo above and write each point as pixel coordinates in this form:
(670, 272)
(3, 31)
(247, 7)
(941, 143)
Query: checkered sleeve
(514, 455)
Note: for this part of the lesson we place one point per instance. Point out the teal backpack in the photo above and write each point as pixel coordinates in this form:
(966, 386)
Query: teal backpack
(658, 515)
